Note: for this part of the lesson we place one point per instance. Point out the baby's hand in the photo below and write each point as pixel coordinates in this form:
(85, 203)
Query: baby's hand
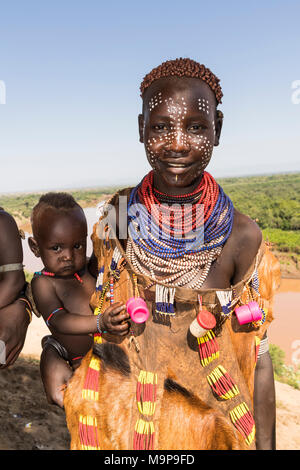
(113, 321)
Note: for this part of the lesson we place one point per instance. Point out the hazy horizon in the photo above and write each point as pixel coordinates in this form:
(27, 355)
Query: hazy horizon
(127, 184)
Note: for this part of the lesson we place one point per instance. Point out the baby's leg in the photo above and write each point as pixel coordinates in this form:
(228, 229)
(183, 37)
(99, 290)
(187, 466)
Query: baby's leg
(55, 371)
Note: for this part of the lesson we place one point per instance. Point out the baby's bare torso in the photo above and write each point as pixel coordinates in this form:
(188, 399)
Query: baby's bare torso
(75, 297)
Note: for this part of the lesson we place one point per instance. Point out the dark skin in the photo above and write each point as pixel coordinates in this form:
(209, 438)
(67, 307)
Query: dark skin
(14, 319)
(178, 158)
(178, 155)
(60, 241)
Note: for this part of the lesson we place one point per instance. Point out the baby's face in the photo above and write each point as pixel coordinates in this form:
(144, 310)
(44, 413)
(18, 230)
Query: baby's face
(62, 241)
(179, 129)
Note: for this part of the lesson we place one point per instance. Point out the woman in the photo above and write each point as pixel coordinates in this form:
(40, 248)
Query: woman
(145, 387)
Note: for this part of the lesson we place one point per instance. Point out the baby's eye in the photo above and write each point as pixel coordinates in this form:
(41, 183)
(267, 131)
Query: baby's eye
(78, 246)
(55, 248)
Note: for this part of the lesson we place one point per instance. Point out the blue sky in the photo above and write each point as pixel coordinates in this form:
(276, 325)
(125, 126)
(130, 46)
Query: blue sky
(72, 72)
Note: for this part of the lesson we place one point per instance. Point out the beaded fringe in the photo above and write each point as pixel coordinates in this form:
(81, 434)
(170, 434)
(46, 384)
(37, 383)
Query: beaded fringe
(146, 390)
(208, 348)
(99, 283)
(222, 384)
(225, 298)
(143, 435)
(90, 387)
(88, 433)
(242, 419)
(164, 300)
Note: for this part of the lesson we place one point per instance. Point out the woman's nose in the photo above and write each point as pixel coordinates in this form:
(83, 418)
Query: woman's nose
(178, 142)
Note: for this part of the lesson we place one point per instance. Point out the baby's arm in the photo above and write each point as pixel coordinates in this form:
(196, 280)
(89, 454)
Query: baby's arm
(58, 318)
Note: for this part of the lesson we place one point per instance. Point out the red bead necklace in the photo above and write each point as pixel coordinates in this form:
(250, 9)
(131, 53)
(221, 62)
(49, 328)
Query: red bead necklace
(47, 273)
(186, 216)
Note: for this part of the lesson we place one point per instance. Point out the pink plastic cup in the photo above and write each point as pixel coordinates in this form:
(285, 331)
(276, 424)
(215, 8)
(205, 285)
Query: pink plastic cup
(137, 309)
(248, 313)
(255, 311)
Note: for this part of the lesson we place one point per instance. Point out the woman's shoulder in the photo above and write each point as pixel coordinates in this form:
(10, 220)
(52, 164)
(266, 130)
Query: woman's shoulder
(246, 231)
(245, 241)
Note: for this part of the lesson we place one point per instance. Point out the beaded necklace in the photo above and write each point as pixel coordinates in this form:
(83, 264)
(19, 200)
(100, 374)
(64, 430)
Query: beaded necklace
(164, 253)
(47, 273)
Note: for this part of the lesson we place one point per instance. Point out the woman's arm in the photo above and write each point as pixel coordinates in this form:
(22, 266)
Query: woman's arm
(11, 252)
(14, 318)
(265, 404)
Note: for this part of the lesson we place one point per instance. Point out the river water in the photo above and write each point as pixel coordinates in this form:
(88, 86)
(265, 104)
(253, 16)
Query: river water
(284, 331)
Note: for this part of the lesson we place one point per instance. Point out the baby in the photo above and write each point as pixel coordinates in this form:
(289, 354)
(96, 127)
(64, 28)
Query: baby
(62, 290)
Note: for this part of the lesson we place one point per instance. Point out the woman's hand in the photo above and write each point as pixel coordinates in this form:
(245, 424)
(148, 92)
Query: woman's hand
(14, 321)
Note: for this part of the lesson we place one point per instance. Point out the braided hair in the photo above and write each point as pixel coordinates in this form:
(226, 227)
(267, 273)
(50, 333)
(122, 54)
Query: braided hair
(183, 68)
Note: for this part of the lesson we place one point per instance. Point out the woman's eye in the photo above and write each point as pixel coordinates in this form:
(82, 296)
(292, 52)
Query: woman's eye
(196, 127)
(160, 127)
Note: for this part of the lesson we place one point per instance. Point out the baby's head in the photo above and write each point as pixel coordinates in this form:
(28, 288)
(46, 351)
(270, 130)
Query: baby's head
(180, 123)
(59, 231)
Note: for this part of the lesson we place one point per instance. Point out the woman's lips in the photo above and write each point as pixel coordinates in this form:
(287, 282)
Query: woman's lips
(177, 167)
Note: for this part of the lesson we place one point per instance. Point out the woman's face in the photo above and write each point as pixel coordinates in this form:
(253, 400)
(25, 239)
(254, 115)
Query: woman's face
(179, 128)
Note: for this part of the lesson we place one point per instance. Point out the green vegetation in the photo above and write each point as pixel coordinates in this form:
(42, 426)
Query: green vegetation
(20, 205)
(272, 201)
(285, 240)
(283, 373)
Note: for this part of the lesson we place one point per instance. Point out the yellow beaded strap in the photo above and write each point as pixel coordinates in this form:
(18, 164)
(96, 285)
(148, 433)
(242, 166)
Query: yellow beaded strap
(88, 433)
(146, 392)
(222, 384)
(242, 419)
(208, 348)
(144, 432)
(143, 435)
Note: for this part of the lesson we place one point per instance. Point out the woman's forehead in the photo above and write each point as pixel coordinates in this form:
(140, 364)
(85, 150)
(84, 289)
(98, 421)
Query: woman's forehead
(180, 90)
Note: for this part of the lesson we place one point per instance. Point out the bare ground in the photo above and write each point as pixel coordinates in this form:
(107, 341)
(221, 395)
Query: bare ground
(28, 422)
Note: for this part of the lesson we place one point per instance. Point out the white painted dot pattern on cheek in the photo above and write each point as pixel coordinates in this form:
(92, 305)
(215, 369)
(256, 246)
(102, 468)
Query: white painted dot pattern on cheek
(203, 105)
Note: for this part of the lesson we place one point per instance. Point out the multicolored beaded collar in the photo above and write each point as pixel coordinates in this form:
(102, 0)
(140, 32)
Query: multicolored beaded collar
(158, 245)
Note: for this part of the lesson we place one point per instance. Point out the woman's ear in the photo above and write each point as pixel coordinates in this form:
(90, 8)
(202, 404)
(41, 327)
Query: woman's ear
(218, 126)
(34, 247)
(141, 128)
